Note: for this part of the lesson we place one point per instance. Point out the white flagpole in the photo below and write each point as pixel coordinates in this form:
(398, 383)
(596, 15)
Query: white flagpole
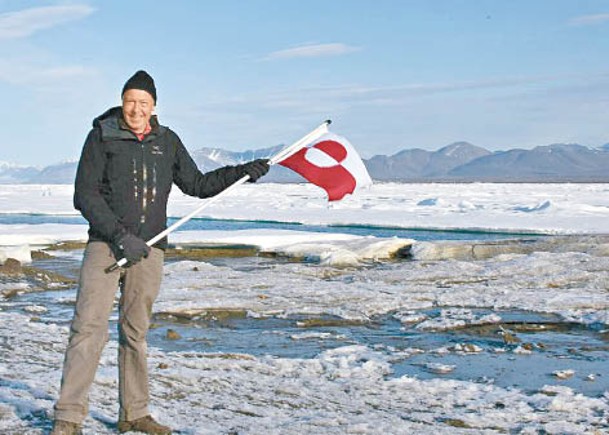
(281, 155)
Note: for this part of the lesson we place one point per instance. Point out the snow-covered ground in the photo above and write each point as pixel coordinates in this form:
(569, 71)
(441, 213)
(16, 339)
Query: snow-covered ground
(545, 208)
(349, 389)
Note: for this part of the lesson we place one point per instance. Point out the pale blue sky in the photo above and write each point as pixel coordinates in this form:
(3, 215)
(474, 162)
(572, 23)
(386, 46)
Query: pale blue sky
(391, 74)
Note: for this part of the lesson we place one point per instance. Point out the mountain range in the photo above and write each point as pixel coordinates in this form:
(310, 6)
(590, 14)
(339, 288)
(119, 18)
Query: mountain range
(457, 162)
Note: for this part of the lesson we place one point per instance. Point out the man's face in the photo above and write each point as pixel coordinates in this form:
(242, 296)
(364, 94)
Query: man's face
(137, 109)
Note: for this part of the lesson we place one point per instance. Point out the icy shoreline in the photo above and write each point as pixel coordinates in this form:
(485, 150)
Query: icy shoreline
(350, 388)
(343, 390)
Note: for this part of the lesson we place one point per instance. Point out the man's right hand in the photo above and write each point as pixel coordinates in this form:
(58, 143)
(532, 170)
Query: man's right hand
(133, 248)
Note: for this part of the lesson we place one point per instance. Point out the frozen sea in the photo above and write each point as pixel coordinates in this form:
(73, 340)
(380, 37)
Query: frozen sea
(405, 309)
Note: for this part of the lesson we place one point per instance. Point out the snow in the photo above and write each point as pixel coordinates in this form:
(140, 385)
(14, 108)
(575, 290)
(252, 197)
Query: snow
(352, 388)
(534, 208)
(17, 250)
(571, 208)
(510, 208)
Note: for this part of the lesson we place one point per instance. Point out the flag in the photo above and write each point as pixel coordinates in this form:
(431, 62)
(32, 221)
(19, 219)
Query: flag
(331, 163)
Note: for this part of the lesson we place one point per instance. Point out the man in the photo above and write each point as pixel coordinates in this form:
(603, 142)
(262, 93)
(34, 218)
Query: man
(127, 167)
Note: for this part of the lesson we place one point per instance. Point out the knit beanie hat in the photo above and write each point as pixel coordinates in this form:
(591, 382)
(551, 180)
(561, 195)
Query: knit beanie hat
(141, 80)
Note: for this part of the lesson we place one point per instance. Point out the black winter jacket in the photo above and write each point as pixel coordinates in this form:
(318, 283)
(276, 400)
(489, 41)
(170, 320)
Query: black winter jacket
(123, 184)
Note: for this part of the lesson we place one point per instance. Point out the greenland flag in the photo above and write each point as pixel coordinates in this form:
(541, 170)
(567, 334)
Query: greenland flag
(331, 163)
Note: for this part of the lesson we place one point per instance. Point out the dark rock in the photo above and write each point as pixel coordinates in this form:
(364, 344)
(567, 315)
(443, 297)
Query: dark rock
(172, 335)
(11, 267)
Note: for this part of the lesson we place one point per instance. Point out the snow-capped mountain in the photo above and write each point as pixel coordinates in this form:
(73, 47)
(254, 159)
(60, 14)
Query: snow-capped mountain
(12, 173)
(208, 159)
(59, 173)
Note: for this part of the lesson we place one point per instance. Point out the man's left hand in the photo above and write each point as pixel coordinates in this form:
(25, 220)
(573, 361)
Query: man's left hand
(256, 169)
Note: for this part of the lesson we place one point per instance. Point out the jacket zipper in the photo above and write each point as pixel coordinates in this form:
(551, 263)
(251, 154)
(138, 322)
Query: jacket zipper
(153, 182)
(144, 185)
(135, 181)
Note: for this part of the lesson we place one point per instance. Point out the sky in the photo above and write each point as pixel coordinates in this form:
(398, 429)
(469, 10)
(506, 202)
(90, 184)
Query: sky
(240, 75)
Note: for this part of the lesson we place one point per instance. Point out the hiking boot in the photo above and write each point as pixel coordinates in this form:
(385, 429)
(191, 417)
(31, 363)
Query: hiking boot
(61, 427)
(145, 425)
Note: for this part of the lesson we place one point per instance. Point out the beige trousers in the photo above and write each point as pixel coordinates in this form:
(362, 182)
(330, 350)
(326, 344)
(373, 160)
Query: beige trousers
(139, 286)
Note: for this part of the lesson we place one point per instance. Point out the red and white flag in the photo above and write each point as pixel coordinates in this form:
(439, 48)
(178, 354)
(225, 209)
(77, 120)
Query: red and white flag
(331, 163)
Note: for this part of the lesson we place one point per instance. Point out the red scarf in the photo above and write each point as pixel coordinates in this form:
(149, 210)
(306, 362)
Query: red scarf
(147, 130)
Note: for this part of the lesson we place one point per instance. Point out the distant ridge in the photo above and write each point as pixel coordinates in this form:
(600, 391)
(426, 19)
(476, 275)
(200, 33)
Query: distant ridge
(557, 162)
(457, 162)
(420, 164)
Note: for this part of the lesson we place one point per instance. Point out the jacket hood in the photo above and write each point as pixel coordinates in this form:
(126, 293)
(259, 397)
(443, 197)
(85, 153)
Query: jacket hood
(114, 112)
(113, 125)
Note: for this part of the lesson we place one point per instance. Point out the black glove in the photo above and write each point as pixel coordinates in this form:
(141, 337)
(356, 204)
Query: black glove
(133, 248)
(255, 169)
